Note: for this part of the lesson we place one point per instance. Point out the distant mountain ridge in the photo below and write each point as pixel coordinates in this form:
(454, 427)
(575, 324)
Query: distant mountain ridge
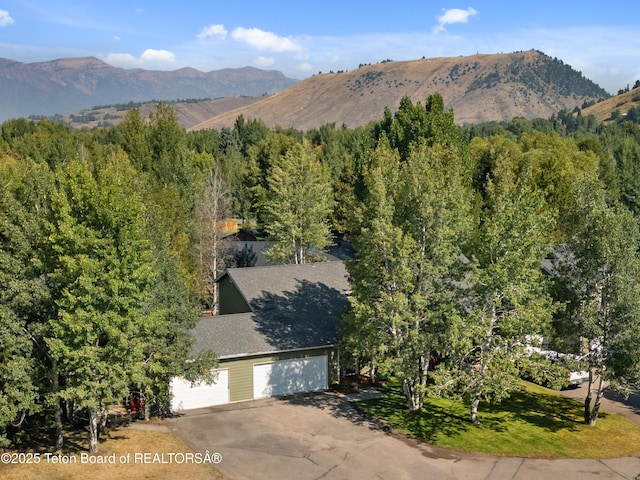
(189, 112)
(479, 88)
(69, 85)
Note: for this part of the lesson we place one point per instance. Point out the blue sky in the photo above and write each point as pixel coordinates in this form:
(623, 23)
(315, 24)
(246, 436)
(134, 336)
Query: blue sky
(299, 38)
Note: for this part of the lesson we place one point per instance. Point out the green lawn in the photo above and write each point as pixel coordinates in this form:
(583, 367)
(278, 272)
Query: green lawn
(534, 422)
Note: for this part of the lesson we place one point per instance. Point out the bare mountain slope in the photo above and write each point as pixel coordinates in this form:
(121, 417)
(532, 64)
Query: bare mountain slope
(479, 88)
(622, 103)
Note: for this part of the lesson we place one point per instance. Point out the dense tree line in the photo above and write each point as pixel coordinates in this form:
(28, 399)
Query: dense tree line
(109, 248)
(95, 298)
(527, 184)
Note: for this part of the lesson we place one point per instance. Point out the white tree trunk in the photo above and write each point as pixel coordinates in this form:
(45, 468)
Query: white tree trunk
(414, 395)
(93, 430)
(215, 310)
(57, 412)
(211, 209)
(146, 408)
(475, 403)
(587, 400)
(596, 406)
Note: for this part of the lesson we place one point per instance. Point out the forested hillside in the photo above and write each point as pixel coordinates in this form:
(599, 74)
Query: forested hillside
(109, 245)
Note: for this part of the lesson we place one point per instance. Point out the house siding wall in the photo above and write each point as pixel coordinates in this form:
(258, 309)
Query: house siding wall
(231, 300)
(241, 370)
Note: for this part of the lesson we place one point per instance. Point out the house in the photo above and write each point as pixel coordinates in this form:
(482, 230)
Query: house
(275, 335)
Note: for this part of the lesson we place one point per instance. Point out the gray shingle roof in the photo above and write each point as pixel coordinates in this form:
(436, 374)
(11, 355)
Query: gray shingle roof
(293, 307)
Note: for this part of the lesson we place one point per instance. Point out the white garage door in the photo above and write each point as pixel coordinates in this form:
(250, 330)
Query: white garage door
(289, 376)
(185, 396)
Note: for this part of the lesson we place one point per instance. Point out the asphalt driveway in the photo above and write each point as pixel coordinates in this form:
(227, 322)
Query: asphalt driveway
(320, 436)
(612, 402)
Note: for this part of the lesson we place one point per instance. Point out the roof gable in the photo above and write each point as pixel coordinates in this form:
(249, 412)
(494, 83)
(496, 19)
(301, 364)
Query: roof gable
(292, 307)
(258, 285)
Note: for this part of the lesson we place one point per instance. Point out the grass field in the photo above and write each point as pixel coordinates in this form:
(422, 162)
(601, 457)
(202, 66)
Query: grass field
(534, 422)
(127, 447)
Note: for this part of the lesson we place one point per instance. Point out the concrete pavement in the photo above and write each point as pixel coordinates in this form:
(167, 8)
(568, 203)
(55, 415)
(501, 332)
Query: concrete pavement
(612, 402)
(323, 436)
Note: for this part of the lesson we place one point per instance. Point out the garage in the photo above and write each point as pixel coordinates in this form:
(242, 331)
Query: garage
(185, 395)
(290, 376)
(275, 334)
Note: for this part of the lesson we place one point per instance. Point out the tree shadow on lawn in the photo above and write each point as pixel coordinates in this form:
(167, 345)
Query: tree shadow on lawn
(378, 414)
(549, 412)
(40, 437)
(338, 407)
(76, 439)
(426, 424)
(443, 418)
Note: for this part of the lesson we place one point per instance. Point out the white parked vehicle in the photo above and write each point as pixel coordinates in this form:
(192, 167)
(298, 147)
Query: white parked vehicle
(577, 377)
(574, 377)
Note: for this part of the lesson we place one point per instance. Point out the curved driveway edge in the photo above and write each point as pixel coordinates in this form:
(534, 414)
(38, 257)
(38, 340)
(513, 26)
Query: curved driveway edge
(321, 436)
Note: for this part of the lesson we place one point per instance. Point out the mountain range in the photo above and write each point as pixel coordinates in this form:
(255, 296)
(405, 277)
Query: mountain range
(479, 88)
(68, 85)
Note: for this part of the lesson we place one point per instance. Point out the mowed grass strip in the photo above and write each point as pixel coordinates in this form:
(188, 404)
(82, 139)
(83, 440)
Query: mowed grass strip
(534, 422)
(121, 441)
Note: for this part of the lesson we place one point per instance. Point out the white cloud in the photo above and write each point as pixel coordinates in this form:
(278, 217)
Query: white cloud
(116, 38)
(149, 58)
(454, 15)
(262, 40)
(215, 31)
(151, 55)
(5, 19)
(304, 67)
(123, 60)
(264, 61)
